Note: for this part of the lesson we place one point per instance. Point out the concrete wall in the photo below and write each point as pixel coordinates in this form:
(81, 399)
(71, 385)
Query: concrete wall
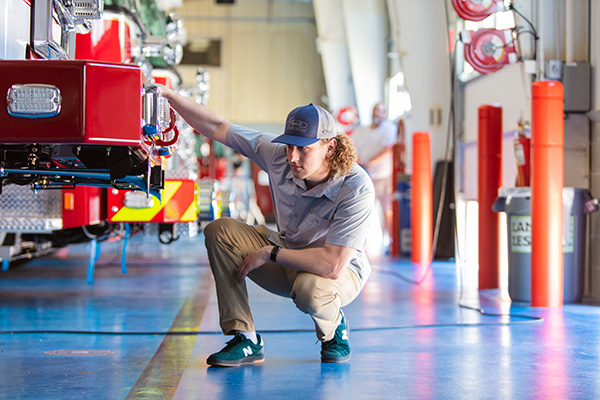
(269, 63)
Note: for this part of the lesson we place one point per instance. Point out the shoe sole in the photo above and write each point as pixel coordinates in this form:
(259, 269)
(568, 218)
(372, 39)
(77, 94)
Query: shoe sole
(336, 359)
(236, 363)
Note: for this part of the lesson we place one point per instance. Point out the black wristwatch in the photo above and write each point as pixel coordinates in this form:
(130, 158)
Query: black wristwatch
(274, 253)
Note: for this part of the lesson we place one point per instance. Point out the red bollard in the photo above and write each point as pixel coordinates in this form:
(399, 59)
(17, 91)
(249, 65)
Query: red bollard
(422, 199)
(547, 138)
(489, 169)
(398, 168)
(395, 234)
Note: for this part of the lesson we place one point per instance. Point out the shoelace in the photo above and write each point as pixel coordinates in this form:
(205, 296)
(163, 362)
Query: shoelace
(237, 339)
(336, 343)
(333, 345)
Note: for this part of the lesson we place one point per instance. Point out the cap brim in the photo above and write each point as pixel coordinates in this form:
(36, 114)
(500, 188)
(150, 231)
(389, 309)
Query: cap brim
(295, 140)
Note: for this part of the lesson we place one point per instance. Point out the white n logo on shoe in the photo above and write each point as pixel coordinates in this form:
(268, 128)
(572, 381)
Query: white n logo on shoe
(247, 351)
(344, 334)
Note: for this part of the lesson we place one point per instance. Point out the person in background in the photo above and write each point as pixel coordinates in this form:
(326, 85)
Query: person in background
(323, 202)
(374, 146)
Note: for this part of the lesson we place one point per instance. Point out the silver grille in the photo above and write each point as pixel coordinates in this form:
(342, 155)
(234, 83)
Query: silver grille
(21, 209)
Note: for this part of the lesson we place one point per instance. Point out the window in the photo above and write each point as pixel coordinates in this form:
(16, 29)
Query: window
(202, 51)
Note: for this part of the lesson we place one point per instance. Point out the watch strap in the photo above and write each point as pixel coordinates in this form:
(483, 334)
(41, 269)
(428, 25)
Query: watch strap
(274, 252)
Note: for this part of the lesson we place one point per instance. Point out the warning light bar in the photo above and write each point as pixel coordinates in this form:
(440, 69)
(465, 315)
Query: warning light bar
(33, 101)
(87, 9)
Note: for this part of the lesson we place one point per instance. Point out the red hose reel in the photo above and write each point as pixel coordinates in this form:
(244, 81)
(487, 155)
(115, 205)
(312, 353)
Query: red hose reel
(488, 50)
(477, 10)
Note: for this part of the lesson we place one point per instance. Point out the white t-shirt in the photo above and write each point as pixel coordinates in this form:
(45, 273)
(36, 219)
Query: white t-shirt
(370, 142)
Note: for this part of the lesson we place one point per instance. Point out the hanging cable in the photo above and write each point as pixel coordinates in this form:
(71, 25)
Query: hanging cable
(532, 31)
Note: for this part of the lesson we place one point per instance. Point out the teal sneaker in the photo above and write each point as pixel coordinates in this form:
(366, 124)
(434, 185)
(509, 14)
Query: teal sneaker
(337, 350)
(239, 350)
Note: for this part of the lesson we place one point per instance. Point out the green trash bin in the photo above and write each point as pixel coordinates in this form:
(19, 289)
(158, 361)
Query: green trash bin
(516, 203)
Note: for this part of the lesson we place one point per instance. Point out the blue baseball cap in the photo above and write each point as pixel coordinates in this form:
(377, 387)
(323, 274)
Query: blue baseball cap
(306, 125)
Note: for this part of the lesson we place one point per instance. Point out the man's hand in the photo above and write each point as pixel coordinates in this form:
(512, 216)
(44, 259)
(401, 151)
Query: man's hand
(199, 117)
(253, 261)
(328, 261)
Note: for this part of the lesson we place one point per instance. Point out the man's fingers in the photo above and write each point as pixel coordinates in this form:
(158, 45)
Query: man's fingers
(250, 263)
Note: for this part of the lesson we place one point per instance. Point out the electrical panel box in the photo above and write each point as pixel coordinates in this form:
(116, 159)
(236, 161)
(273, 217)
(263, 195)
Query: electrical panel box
(576, 82)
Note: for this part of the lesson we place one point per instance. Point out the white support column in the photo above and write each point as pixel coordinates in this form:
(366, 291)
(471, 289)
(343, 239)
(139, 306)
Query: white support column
(331, 44)
(14, 29)
(422, 40)
(366, 32)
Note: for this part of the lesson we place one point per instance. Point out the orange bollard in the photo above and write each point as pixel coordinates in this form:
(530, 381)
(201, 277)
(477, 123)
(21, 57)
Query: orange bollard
(489, 169)
(547, 138)
(422, 199)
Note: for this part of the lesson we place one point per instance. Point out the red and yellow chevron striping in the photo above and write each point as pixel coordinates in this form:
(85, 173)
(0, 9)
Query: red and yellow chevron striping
(179, 204)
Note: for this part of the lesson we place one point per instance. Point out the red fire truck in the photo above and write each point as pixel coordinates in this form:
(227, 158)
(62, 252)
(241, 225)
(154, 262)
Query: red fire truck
(80, 115)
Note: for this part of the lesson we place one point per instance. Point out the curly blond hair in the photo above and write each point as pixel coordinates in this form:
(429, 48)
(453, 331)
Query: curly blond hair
(344, 156)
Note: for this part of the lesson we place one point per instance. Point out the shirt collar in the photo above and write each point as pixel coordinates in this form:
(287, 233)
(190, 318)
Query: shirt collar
(330, 188)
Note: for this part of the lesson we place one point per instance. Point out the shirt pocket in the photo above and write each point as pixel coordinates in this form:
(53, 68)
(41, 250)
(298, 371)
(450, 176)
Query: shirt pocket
(313, 225)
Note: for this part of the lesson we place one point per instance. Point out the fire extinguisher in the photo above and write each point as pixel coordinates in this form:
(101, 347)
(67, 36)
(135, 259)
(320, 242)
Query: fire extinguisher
(522, 148)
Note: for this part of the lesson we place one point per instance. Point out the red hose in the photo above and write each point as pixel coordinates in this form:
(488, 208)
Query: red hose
(172, 127)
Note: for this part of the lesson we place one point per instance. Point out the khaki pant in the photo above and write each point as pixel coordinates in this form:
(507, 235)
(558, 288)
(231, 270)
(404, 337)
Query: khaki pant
(229, 241)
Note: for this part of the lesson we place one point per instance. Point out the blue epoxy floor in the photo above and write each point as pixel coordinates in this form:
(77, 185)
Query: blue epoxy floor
(408, 341)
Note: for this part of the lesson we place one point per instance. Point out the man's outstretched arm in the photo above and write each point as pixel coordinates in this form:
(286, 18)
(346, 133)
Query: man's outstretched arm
(202, 119)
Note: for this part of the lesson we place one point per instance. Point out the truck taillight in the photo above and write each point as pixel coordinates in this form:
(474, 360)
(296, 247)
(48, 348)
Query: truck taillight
(137, 199)
(33, 101)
